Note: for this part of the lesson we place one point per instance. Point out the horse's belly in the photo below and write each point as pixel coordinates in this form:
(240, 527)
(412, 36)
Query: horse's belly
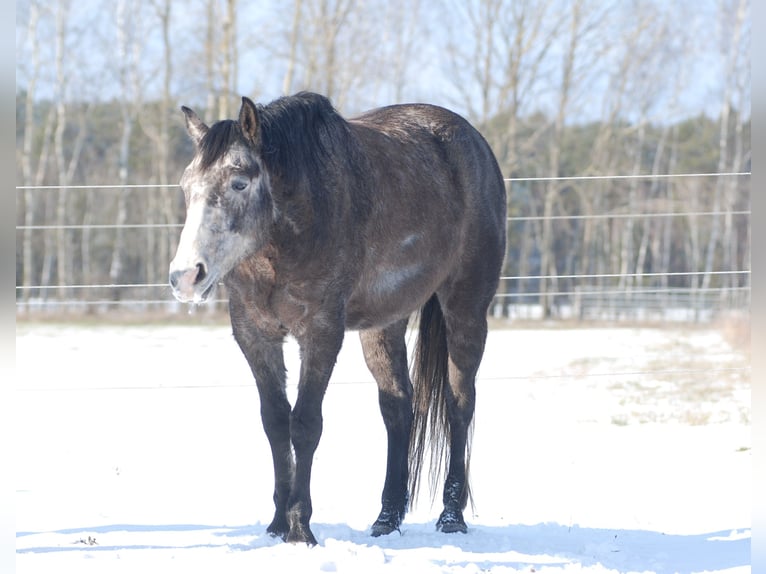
(385, 295)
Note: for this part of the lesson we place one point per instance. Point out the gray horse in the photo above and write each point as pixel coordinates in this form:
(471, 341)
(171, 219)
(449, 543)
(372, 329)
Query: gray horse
(317, 225)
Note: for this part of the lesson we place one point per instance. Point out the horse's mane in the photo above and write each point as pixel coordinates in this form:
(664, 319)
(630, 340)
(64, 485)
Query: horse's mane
(299, 134)
(311, 155)
(219, 138)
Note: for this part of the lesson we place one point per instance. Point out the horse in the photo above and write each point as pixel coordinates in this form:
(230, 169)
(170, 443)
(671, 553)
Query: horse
(318, 225)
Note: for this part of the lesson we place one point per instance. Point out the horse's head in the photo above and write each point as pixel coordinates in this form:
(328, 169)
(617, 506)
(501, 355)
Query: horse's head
(229, 209)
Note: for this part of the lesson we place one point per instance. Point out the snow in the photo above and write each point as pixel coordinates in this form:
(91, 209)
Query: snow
(140, 449)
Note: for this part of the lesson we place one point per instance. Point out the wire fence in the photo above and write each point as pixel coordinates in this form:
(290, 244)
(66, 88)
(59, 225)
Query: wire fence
(506, 179)
(510, 219)
(585, 296)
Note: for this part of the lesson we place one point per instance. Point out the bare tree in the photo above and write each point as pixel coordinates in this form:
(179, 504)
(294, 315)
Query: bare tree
(497, 51)
(161, 243)
(168, 240)
(30, 126)
(228, 58)
(503, 48)
(633, 87)
(221, 58)
(733, 20)
(474, 61)
(65, 166)
(403, 33)
(211, 19)
(548, 259)
(287, 84)
(321, 57)
(646, 69)
(128, 56)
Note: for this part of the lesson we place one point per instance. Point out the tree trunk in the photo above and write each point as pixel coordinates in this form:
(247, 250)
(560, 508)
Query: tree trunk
(665, 249)
(730, 252)
(160, 242)
(63, 251)
(118, 249)
(649, 228)
(49, 244)
(548, 256)
(167, 236)
(226, 50)
(723, 140)
(287, 83)
(210, 49)
(30, 124)
(125, 39)
(627, 255)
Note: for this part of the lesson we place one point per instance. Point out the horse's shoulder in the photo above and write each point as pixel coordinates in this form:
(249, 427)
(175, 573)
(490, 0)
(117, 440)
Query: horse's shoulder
(256, 271)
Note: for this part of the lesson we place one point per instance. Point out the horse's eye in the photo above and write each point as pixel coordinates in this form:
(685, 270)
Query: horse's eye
(239, 184)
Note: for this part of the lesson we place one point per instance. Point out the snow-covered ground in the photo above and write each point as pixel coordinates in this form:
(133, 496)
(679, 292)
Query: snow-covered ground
(140, 449)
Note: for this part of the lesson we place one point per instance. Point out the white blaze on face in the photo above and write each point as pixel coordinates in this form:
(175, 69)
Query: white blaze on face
(194, 262)
(207, 250)
(187, 254)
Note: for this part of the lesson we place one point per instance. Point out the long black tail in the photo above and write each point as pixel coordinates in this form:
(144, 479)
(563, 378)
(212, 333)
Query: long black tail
(430, 425)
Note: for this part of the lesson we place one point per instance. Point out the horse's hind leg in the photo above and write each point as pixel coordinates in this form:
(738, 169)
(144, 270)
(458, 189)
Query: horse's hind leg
(386, 354)
(466, 337)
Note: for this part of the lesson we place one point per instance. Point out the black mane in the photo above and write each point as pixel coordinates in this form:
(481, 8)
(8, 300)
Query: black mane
(218, 139)
(299, 134)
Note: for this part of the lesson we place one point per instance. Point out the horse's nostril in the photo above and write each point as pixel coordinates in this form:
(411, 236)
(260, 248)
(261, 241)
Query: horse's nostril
(174, 278)
(201, 273)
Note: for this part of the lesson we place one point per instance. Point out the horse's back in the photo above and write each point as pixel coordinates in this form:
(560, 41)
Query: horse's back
(437, 156)
(440, 144)
(438, 206)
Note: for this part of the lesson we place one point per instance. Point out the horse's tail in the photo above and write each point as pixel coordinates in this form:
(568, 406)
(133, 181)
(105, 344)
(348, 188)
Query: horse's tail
(430, 425)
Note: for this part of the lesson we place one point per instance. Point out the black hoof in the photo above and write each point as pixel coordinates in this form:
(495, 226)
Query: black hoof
(381, 528)
(278, 529)
(388, 521)
(301, 535)
(451, 521)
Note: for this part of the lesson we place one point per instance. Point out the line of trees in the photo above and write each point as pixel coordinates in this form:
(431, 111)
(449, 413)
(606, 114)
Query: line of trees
(559, 88)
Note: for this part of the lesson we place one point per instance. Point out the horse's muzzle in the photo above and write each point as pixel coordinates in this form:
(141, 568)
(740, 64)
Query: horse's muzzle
(191, 284)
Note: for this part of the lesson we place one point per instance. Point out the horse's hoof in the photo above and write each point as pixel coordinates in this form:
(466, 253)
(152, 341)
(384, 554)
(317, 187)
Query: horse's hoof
(281, 535)
(381, 528)
(301, 535)
(277, 529)
(388, 521)
(451, 521)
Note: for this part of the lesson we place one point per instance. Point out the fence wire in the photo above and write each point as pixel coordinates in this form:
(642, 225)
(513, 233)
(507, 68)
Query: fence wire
(579, 292)
(119, 186)
(703, 301)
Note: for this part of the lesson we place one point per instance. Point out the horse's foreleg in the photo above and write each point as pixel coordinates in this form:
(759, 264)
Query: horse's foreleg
(386, 355)
(275, 414)
(265, 357)
(318, 354)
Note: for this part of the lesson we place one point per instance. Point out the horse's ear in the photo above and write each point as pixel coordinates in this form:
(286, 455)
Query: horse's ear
(249, 121)
(194, 126)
